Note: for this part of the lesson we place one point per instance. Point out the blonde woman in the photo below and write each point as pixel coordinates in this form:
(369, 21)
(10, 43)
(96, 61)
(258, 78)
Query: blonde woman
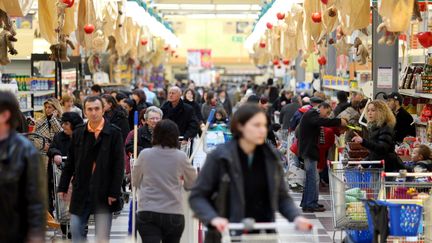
(380, 143)
(68, 105)
(49, 124)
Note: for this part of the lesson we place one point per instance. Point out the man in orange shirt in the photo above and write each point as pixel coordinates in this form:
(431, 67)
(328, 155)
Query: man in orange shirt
(95, 160)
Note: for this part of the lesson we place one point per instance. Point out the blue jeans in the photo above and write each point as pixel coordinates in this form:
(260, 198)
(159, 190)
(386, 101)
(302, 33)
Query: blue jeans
(102, 224)
(311, 186)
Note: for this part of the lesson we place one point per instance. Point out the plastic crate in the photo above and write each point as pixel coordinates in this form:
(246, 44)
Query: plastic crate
(358, 178)
(360, 236)
(404, 219)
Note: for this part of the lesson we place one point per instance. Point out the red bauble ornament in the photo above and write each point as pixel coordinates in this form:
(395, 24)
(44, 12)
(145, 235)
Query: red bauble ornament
(324, 1)
(144, 42)
(89, 28)
(69, 3)
(276, 62)
(262, 44)
(269, 26)
(280, 16)
(316, 17)
(425, 39)
(322, 60)
(422, 6)
(286, 61)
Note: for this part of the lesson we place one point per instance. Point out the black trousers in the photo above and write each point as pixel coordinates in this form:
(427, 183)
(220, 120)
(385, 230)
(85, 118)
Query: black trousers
(156, 227)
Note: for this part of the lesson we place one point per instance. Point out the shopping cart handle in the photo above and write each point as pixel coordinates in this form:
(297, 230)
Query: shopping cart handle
(398, 174)
(210, 117)
(136, 118)
(364, 162)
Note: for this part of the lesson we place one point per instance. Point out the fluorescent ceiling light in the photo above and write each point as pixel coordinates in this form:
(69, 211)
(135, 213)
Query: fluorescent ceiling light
(201, 16)
(197, 6)
(236, 16)
(233, 7)
(167, 6)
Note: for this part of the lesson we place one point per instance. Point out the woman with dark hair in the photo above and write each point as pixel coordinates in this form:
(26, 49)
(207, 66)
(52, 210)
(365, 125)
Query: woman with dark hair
(225, 101)
(210, 104)
(189, 97)
(59, 148)
(115, 114)
(139, 96)
(78, 102)
(157, 173)
(343, 104)
(256, 187)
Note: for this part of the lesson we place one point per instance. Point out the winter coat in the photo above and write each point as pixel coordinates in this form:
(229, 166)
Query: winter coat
(22, 191)
(295, 120)
(226, 158)
(197, 109)
(381, 146)
(309, 133)
(60, 145)
(184, 116)
(107, 177)
(144, 140)
(404, 125)
(119, 117)
(47, 127)
(227, 106)
(340, 108)
(280, 102)
(287, 112)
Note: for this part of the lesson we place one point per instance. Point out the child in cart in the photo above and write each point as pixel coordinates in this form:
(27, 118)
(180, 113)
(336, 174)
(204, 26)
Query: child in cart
(421, 161)
(220, 118)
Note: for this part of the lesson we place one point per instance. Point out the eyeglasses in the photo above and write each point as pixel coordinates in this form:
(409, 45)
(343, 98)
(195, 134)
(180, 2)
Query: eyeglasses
(154, 118)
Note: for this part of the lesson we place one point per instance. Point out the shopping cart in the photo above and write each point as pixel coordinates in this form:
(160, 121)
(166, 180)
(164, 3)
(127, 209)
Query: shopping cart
(407, 197)
(61, 205)
(185, 147)
(215, 135)
(279, 232)
(351, 182)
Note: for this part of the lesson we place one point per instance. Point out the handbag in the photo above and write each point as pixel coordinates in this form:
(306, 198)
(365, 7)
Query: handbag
(117, 205)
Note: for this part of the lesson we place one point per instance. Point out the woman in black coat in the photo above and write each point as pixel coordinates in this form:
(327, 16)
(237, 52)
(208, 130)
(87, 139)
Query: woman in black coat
(189, 97)
(256, 186)
(380, 143)
(116, 115)
(59, 148)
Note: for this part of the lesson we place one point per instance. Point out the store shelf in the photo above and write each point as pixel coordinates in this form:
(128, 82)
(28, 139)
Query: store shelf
(25, 92)
(43, 93)
(412, 93)
(38, 108)
(337, 88)
(26, 110)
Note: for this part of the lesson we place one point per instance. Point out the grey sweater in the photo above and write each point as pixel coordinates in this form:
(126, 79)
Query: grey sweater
(157, 174)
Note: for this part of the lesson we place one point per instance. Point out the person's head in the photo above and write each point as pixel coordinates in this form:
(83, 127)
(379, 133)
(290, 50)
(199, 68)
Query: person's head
(296, 99)
(9, 112)
(77, 96)
(222, 94)
(421, 152)
(249, 122)
(120, 96)
(94, 109)
(69, 121)
(166, 134)
(320, 95)
(360, 106)
(96, 90)
(342, 96)
(379, 114)
(220, 115)
(127, 104)
(204, 96)
(152, 116)
(174, 94)
(264, 103)
(161, 93)
(139, 96)
(394, 101)
(315, 101)
(356, 97)
(51, 105)
(109, 102)
(67, 101)
(288, 94)
(211, 98)
(324, 109)
(189, 95)
(191, 85)
(114, 94)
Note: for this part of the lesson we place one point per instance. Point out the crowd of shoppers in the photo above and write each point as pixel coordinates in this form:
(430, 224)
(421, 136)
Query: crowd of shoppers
(101, 145)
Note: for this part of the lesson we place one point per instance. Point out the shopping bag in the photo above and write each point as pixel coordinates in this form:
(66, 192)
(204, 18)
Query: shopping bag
(294, 147)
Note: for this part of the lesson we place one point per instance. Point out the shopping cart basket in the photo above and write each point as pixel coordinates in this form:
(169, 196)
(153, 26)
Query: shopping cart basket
(216, 135)
(279, 232)
(350, 183)
(405, 194)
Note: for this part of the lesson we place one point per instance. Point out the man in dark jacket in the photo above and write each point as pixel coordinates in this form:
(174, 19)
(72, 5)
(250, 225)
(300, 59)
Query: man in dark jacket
(22, 180)
(404, 121)
(95, 160)
(295, 120)
(180, 113)
(309, 135)
(288, 111)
